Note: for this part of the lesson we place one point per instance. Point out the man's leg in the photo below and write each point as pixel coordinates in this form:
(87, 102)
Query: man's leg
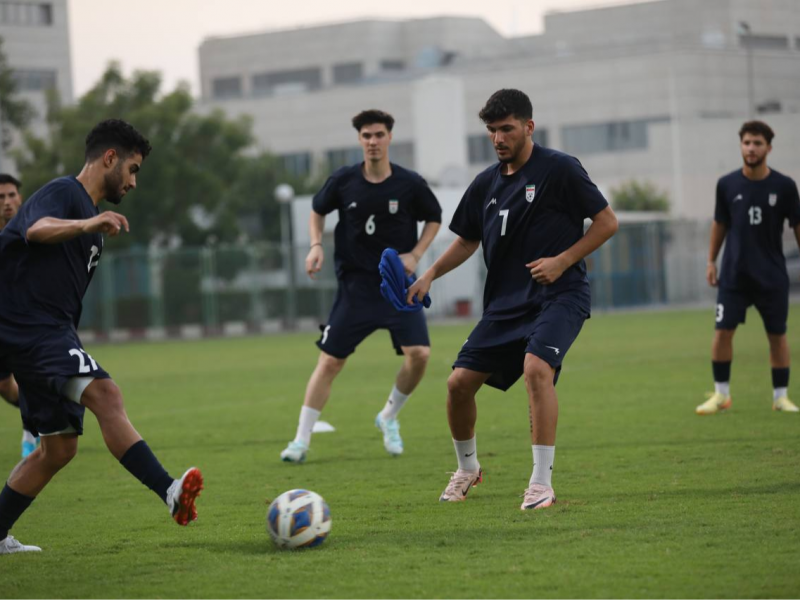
(721, 358)
(318, 390)
(780, 360)
(462, 414)
(104, 399)
(9, 391)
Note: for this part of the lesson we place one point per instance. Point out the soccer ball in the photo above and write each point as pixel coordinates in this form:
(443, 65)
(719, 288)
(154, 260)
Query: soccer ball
(298, 519)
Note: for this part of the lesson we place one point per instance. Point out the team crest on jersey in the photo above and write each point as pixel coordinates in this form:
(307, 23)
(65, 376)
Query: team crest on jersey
(393, 206)
(773, 199)
(530, 192)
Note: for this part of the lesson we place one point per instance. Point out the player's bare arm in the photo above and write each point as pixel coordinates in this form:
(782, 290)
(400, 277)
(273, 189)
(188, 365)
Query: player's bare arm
(547, 270)
(50, 230)
(316, 255)
(718, 233)
(456, 254)
(411, 259)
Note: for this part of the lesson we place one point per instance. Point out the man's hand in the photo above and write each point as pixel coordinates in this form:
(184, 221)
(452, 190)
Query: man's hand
(420, 287)
(711, 274)
(108, 222)
(314, 260)
(409, 261)
(547, 270)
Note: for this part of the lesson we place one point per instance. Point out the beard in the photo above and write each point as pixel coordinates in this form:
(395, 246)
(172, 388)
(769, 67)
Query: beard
(113, 185)
(754, 162)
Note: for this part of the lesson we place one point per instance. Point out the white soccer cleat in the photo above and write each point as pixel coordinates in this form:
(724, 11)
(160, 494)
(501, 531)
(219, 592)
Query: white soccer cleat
(716, 403)
(182, 494)
(391, 434)
(538, 496)
(783, 404)
(295, 452)
(11, 545)
(459, 485)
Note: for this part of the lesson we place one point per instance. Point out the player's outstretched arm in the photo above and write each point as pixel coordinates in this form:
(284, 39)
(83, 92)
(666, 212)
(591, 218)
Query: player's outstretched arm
(316, 255)
(547, 270)
(50, 230)
(718, 233)
(455, 255)
(411, 259)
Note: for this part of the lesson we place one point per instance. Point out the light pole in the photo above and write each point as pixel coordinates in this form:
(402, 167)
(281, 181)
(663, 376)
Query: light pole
(284, 194)
(743, 28)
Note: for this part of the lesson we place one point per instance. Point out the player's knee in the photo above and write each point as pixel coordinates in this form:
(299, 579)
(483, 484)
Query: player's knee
(330, 365)
(537, 371)
(58, 453)
(458, 386)
(104, 398)
(418, 355)
(9, 391)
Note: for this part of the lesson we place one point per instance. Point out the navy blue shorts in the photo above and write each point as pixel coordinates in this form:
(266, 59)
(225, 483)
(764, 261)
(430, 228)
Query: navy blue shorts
(499, 347)
(358, 310)
(42, 370)
(772, 305)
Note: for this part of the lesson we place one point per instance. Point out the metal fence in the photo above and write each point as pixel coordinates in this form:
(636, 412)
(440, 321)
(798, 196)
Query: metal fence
(247, 288)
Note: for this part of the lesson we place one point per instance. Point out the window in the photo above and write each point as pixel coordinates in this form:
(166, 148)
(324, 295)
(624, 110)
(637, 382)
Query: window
(279, 83)
(614, 136)
(298, 164)
(27, 14)
(226, 87)
(402, 153)
(347, 73)
(764, 42)
(342, 157)
(480, 148)
(34, 80)
(393, 65)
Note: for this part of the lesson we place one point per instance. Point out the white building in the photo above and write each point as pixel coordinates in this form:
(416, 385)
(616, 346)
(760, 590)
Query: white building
(35, 36)
(653, 91)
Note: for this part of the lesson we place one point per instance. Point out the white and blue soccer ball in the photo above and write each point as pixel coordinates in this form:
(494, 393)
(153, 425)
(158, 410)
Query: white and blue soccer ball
(298, 519)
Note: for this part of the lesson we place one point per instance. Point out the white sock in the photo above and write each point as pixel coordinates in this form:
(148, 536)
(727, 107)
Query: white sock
(723, 388)
(467, 453)
(780, 393)
(393, 405)
(28, 437)
(543, 465)
(308, 416)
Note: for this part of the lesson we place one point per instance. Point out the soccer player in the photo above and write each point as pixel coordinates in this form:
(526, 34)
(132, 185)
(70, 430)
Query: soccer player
(528, 211)
(48, 255)
(752, 204)
(10, 201)
(379, 205)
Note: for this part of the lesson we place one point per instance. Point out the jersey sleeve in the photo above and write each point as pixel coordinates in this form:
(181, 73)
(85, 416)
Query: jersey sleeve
(426, 206)
(583, 198)
(722, 213)
(793, 206)
(58, 202)
(327, 199)
(467, 221)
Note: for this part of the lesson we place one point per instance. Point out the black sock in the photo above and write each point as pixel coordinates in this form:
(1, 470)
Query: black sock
(722, 371)
(780, 378)
(143, 464)
(12, 505)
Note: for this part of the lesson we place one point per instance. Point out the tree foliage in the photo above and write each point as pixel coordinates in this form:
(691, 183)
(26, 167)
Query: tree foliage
(639, 196)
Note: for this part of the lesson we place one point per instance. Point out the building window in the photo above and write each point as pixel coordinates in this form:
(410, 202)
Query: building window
(347, 73)
(279, 83)
(480, 149)
(226, 87)
(615, 136)
(393, 65)
(402, 153)
(34, 80)
(25, 13)
(298, 164)
(764, 42)
(342, 157)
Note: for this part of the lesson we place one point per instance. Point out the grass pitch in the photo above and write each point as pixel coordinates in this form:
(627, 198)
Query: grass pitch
(653, 500)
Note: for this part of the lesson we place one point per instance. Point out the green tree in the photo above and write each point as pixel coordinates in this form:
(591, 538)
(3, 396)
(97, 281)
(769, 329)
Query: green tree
(15, 113)
(639, 196)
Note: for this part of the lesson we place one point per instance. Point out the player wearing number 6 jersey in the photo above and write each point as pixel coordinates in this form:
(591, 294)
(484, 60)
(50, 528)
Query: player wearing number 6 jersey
(379, 205)
(48, 256)
(528, 212)
(752, 205)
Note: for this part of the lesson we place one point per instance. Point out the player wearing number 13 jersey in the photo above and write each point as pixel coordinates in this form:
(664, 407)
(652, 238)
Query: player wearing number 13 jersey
(753, 203)
(48, 255)
(379, 205)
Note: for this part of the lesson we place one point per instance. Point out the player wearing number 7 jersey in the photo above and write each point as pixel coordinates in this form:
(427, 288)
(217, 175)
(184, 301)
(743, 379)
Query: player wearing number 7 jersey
(379, 205)
(48, 256)
(752, 205)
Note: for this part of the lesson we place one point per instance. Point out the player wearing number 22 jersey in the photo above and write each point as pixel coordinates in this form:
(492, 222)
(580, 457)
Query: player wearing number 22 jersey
(752, 206)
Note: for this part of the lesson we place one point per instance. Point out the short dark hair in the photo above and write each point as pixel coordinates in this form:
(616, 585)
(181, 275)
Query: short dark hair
(372, 116)
(507, 103)
(757, 128)
(6, 178)
(116, 134)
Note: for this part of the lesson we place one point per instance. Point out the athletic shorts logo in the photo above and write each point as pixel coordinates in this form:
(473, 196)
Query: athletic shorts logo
(773, 199)
(351, 205)
(530, 192)
(393, 206)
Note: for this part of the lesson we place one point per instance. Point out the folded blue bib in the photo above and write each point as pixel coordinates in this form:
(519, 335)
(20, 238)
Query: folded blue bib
(395, 284)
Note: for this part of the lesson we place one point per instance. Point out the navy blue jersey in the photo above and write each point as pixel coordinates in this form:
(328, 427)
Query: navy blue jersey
(375, 216)
(537, 212)
(754, 213)
(42, 285)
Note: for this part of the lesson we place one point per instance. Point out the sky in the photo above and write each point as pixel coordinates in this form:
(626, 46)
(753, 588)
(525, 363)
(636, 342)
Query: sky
(164, 35)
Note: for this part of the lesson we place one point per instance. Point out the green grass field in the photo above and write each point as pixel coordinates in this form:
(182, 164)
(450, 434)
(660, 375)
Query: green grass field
(653, 500)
